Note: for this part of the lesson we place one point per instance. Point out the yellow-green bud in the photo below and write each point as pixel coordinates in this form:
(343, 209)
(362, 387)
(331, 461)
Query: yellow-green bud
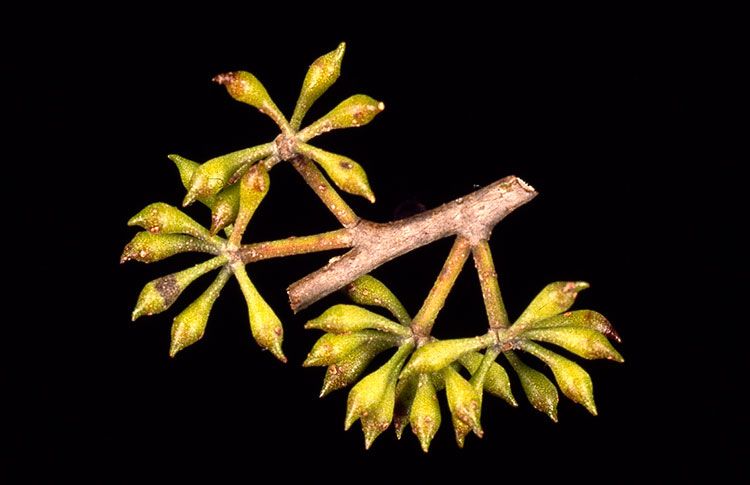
(425, 412)
(161, 218)
(584, 342)
(579, 318)
(187, 168)
(212, 176)
(405, 391)
(245, 88)
(347, 174)
(225, 207)
(351, 318)
(433, 356)
(463, 400)
(367, 290)
(555, 298)
(254, 186)
(147, 247)
(574, 382)
(539, 390)
(321, 76)
(496, 381)
(189, 325)
(354, 111)
(350, 367)
(264, 324)
(368, 393)
(159, 294)
(333, 347)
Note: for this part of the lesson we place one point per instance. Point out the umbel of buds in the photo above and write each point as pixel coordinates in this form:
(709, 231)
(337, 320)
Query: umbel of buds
(415, 368)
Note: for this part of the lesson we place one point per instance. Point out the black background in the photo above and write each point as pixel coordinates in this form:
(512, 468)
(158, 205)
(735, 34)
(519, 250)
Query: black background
(628, 124)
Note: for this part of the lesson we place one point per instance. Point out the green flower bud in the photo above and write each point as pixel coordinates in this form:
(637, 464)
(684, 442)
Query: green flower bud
(332, 347)
(574, 382)
(366, 290)
(253, 188)
(348, 369)
(380, 417)
(189, 325)
(161, 218)
(159, 294)
(187, 168)
(405, 391)
(209, 178)
(579, 318)
(540, 391)
(433, 356)
(347, 174)
(264, 324)
(147, 247)
(554, 299)
(225, 207)
(351, 318)
(321, 76)
(463, 400)
(425, 412)
(581, 341)
(496, 381)
(245, 88)
(354, 111)
(368, 393)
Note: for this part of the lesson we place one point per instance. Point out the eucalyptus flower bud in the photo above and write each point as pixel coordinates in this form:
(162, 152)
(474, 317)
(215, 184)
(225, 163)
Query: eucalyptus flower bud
(540, 391)
(147, 247)
(189, 325)
(321, 76)
(212, 176)
(225, 207)
(367, 290)
(367, 394)
(347, 174)
(555, 298)
(264, 324)
(245, 88)
(574, 382)
(379, 418)
(348, 369)
(579, 318)
(253, 188)
(463, 400)
(354, 111)
(433, 356)
(496, 381)
(159, 294)
(405, 391)
(351, 318)
(187, 168)
(161, 218)
(584, 342)
(333, 347)
(425, 412)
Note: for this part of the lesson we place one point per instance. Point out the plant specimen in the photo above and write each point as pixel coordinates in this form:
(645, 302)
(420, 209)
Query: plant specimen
(404, 389)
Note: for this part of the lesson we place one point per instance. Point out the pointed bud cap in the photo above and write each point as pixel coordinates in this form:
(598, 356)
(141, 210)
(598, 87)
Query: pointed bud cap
(159, 294)
(332, 347)
(584, 342)
(579, 318)
(245, 88)
(379, 418)
(225, 207)
(554, 299)
(190, 324)
(212, 176)
(147, 247)
(161, 218)
(425, 412)
(321, 76)
(348, 369)
(355, 111)
(367, 290)
(496, 381)
(367, 393)
(539, 390)
(405, 391)
(434, 356)
(463, 400)
(574, 382)
(347, 174)
(351, 318)
(264, 324)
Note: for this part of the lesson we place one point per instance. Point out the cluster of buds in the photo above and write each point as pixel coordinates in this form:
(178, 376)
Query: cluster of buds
(404, 390)
(232, 186)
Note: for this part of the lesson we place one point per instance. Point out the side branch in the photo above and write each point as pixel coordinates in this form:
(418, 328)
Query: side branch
(473, 217)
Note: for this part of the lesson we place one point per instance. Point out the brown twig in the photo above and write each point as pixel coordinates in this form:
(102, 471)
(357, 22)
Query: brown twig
(473, 217)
